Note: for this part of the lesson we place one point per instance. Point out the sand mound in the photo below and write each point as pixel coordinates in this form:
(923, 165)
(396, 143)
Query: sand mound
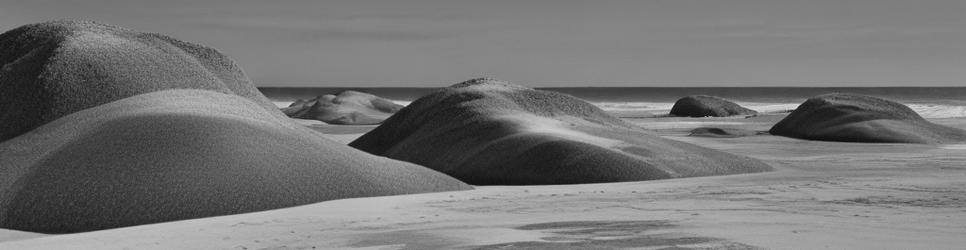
(488, 132)
(181, 154)
(56, 68)
(722, 132)
(860, 118)
(349, 107)
(702, 105)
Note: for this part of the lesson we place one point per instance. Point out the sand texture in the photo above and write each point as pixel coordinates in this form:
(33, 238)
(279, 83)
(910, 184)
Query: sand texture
(487, 132)
(182, 154)
(347, 108)
(822, 195)
(703, 105)
(723, 132)
(861, 118)
(56, 68)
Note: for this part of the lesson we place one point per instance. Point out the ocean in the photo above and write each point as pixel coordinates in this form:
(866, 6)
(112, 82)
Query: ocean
(930, 102)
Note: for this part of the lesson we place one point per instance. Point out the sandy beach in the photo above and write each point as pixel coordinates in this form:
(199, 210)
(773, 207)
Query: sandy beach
(823, 195)
(483, 125)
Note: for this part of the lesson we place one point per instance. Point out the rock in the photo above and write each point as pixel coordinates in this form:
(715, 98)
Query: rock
(488, 132)
(702, 105)
(860, 118)
(349, 107)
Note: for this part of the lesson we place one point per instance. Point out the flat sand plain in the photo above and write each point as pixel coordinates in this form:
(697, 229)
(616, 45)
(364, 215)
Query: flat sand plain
(823, 195)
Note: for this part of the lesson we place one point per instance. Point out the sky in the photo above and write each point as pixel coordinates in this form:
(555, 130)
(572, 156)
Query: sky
(555, 43)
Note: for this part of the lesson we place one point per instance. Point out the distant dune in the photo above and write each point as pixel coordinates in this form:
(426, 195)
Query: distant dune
(56, 68)
(182, 154)
(703, 105)
(349, 107)
(861, 118)
(488, 132)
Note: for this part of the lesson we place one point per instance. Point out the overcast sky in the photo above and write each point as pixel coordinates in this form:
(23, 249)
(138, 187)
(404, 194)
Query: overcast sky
(556, 43)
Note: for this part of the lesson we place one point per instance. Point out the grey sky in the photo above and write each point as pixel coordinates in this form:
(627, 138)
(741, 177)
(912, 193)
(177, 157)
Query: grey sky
(556, 43)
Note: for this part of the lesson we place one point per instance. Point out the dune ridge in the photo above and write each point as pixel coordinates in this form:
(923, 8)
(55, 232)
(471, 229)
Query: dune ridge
(490, 132)
(55, 68)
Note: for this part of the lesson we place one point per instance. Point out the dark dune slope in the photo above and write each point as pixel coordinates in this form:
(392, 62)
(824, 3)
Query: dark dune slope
(488, 132)
(182, 154)
(702, 105)
(56, 68)
(349, 107)
(860, 118)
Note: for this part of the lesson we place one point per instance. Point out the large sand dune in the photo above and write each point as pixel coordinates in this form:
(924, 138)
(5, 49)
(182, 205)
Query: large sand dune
(182, 154)
(488, 132)
(861, 118)
(56, 68)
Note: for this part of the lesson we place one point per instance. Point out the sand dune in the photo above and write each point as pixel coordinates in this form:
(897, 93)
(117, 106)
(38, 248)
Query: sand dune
(182, 154)
(702, 105)
(488, 132)
(722, 132)
(860, 118)
(349, 107)
(823, 195)
(56, 68)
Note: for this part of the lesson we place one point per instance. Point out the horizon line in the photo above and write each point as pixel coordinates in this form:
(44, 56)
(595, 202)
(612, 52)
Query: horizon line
(625, 86)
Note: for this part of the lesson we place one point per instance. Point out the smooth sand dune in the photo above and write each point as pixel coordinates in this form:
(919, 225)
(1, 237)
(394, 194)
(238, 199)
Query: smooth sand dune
(182, 154)
(348, 108)
(703, 105)
(56, 68)
(823, 195)
(488, 132)
(861, 118)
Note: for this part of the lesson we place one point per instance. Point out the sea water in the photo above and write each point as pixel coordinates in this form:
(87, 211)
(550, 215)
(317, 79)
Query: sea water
(930, 102)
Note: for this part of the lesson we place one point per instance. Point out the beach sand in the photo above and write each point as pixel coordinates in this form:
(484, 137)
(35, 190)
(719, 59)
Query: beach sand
(826, 195)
